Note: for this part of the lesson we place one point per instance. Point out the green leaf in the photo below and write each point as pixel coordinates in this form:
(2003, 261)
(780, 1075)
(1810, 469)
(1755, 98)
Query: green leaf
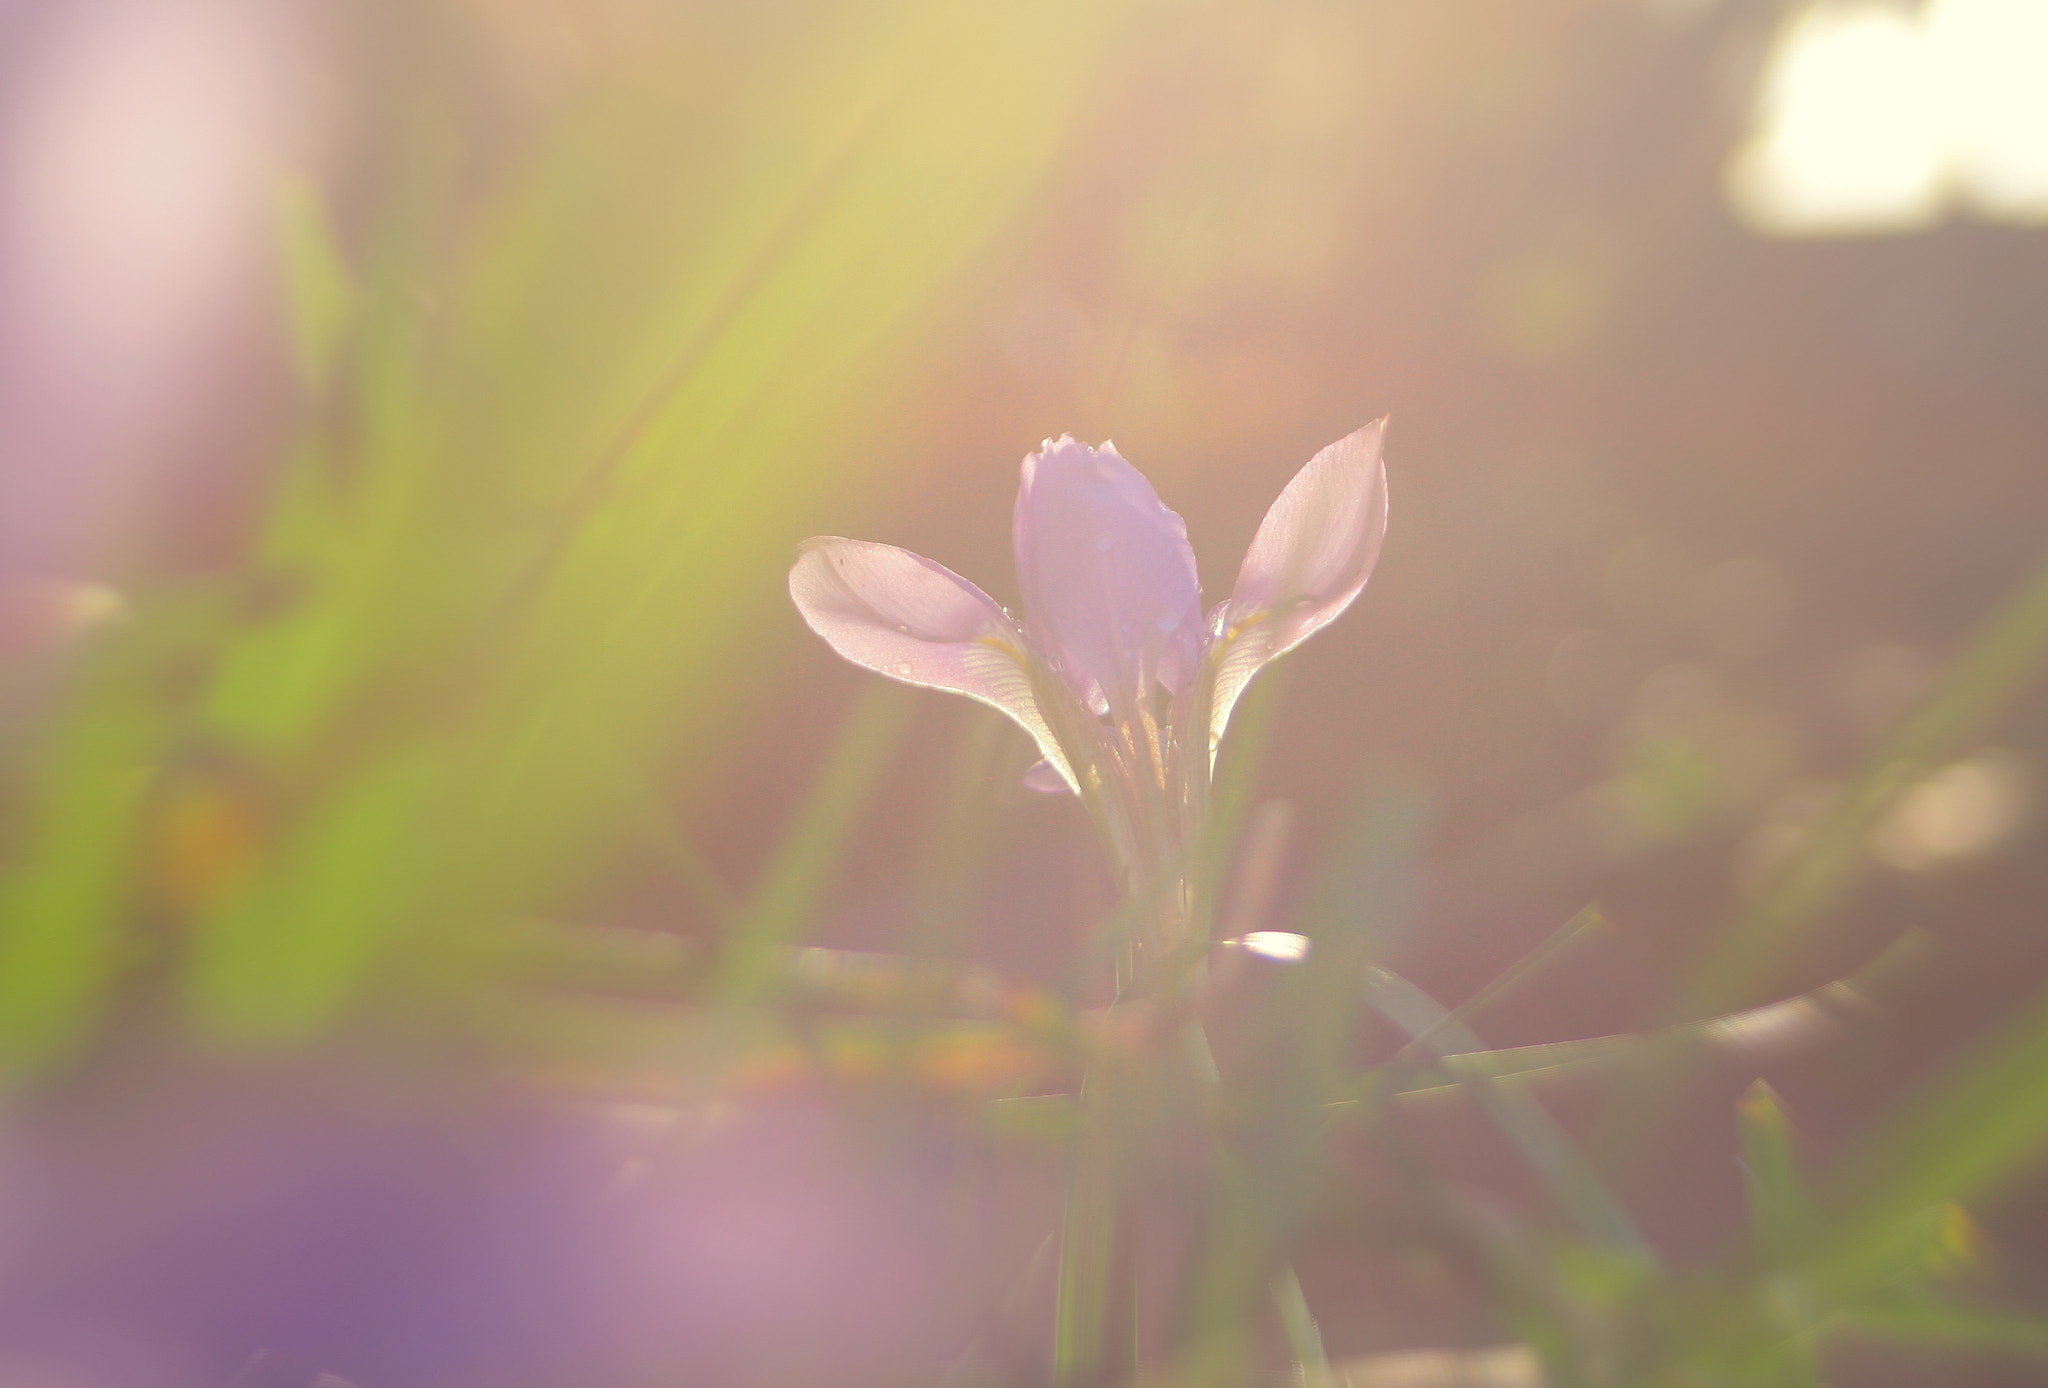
(1770, 1169)
(1572, 1181)
(1812, 879)
(319, 296)
(1953, 1327)
(1982, 1123)
(787, 899)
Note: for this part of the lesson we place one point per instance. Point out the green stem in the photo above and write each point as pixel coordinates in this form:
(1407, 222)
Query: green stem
(1094, 1340)
(1304, 1337)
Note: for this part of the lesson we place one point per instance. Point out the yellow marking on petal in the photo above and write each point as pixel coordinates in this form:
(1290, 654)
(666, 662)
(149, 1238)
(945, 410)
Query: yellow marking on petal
(1238, 628)
(998, 643)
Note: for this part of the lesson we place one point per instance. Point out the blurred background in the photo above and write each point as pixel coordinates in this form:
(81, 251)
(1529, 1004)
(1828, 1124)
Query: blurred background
(408, 414)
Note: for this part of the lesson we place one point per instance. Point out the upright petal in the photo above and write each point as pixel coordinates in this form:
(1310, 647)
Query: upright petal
(1107, 576)
(901, 615)
(1312, 555)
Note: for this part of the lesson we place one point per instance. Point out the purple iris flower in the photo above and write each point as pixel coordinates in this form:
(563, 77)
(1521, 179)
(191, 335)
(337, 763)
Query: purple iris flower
(1114, 670)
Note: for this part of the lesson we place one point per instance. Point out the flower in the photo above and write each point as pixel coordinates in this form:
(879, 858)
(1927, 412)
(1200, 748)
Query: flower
(1114, 670)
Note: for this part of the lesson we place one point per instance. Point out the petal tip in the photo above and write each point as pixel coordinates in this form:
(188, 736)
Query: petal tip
(1048, 779)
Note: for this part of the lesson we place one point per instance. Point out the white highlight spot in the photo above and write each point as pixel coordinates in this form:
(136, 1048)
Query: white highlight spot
(1965, 810)
(1871, 119)
(1277, 944)
(139, 163)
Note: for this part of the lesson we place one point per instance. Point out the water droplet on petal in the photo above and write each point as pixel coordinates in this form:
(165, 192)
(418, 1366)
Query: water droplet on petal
(1103, 544)
(902, 667)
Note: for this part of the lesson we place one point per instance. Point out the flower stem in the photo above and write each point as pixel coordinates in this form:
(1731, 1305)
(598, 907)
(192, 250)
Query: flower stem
(1094, 1327)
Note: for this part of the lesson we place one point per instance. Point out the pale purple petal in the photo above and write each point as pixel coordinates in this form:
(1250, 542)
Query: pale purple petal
(1107, 576)
(1312, 555)
(901, 615)
(1046, 779)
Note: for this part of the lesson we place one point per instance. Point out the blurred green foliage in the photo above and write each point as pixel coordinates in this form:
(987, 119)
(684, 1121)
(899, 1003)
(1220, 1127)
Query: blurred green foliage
(562, 424)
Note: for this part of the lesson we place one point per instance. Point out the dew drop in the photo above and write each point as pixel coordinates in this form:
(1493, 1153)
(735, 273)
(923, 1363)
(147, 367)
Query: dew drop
(902, 667)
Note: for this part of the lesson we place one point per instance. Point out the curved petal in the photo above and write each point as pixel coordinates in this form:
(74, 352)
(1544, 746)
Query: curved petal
(1312, 555)
(901, 615)
(1046, 779)
(1108, 579)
